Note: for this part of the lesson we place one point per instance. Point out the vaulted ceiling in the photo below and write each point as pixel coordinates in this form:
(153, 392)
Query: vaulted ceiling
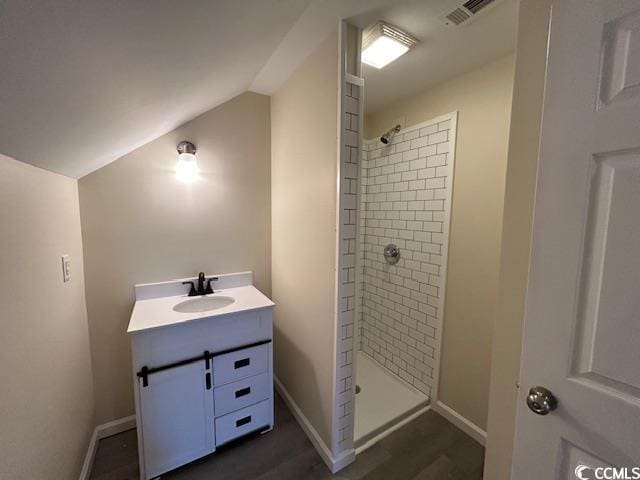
(83, 83)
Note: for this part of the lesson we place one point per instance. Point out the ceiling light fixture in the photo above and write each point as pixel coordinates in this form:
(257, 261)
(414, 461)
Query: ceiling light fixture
(382, 43)
(187, 168)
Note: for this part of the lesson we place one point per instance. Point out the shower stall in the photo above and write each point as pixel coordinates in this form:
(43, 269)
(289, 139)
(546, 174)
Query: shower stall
(404, 201)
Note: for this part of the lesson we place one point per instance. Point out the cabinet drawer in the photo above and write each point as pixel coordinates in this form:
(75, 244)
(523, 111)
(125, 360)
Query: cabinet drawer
(237, 395)
(241, 364)
(236, 424)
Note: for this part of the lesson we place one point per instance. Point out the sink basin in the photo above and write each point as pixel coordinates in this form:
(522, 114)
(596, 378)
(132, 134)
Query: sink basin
(203, 304)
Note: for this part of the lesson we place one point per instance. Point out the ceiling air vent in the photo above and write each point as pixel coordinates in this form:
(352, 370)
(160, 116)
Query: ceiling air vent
(463, 13)
(458, 16)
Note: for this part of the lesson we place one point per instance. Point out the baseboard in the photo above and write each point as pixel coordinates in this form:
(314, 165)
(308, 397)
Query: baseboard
(116, 426)
(464, 424)
(346, 458)
(334, 464)
(372, 441)
(85, 473)
(103, 431)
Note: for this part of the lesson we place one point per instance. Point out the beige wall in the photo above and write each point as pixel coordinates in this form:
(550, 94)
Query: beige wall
(140, 224)
(483, 99)
(304, 126)
(46, 404)
(516, 234)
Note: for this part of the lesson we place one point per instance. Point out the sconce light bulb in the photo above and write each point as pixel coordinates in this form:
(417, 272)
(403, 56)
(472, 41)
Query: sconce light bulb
(187, 168)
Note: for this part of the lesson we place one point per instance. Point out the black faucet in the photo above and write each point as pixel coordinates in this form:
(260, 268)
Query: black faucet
(209, 290)
(201, 290)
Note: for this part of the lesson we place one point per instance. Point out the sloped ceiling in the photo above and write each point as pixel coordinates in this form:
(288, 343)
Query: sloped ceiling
(313, 26)
(84, 82)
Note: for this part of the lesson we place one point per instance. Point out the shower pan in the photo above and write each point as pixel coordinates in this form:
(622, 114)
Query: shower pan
(383, 400)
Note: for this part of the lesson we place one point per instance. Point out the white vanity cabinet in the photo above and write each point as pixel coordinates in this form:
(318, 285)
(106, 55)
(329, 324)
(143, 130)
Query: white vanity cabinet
(199, 382)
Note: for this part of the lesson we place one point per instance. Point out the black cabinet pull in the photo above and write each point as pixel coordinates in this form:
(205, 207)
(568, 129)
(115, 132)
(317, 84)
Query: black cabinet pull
(207, 378)
(145, 371)
(245, 362)
(242, 392)
(243, 421)
(144, 374)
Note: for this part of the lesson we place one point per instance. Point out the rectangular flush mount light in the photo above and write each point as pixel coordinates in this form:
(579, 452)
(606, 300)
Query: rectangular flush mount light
(383, 43)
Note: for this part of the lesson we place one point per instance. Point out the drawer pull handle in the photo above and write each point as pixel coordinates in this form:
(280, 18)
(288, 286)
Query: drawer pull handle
(207, 378)
(242, 363)
(242, 392)
(243, 421)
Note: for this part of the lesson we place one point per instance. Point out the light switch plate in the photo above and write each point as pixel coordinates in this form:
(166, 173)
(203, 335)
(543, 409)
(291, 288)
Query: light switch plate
(66, 268)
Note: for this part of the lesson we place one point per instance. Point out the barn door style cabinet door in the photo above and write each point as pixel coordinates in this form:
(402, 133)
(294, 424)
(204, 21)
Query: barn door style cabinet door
(176, 417)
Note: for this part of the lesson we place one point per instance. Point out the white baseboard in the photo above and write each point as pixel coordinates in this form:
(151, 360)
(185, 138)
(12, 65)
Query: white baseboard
(461, 422)
(103, 431)
(85, 473)
(334, 464)
(117, 426)
(344, 459)
(371, 442)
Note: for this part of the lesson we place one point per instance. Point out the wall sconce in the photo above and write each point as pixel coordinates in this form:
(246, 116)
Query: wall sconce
(187, 168)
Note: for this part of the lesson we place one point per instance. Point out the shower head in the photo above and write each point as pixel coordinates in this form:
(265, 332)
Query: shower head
(386, 138)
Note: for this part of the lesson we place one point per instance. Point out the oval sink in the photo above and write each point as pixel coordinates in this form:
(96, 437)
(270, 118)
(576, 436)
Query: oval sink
(202, 304)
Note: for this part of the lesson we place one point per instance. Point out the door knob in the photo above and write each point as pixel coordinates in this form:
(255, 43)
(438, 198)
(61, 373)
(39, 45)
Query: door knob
(541, 401)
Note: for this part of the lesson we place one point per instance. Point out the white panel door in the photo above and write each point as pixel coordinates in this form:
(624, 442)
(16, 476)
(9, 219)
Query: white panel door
(177, 418)
(582, 324)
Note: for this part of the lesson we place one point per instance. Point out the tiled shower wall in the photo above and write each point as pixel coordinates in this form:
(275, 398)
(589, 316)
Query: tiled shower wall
(406, 200)
(347, 231)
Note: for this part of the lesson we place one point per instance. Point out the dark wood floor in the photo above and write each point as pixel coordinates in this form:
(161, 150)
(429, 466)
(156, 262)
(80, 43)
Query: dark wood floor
(428, 448)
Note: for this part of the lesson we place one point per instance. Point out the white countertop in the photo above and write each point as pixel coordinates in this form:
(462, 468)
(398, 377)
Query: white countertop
(158, 312)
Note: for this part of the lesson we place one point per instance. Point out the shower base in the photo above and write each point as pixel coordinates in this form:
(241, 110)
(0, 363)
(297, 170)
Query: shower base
(384, 402)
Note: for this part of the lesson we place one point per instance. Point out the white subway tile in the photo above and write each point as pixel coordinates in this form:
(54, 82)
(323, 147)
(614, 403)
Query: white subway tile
(409, 155)
(418, 164)
(444, 125)
(419, 142)
(443, 147)
(428, 130)
(394, 177)
(417, 184)
(401, 167)
(437, 182)
(438, 137)
(403, 146)
(351, 105)
(410, 135)
(427, 151)
(425, 195)
(410, 195)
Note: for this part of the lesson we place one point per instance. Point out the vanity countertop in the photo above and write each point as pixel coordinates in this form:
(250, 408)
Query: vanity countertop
(152, 313)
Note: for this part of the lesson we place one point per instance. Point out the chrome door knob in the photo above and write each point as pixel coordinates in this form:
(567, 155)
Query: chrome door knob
(541, 401)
